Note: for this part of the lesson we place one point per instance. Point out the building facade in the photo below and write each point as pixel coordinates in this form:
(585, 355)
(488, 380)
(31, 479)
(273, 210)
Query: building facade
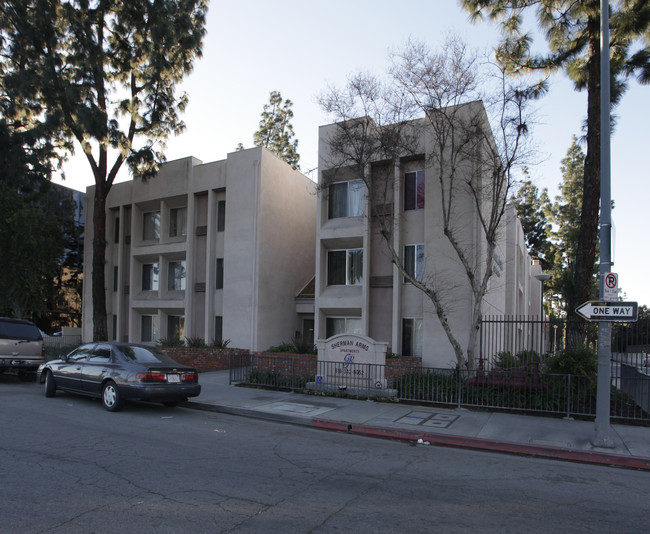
(215, 251)
(358, 288)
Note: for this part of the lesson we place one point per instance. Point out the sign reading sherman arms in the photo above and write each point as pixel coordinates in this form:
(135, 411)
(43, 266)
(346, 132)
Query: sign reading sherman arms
(351, 360)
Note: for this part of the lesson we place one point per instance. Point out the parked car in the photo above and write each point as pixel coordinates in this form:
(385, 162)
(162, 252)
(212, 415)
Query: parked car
(116, 372)
(21, 347)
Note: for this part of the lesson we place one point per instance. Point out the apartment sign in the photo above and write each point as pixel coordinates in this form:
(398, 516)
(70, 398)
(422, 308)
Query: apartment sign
(609, 311)
(351, 360)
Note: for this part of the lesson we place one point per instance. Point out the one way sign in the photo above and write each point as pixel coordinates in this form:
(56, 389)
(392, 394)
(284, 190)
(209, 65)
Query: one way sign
(609, 311)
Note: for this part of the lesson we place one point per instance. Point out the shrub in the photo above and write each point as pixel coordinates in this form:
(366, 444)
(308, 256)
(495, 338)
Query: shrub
(505, 360)
(525, 358)
(195, 342)
(302, 347)
(170, 342)
(283, 347)
(220, 343)
(573, 362)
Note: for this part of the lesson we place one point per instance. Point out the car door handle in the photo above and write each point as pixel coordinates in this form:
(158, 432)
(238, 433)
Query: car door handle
(78, 368)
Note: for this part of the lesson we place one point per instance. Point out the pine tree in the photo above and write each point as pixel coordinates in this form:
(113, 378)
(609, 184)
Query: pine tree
(103, 74)
(275, 130)
(532, 206)
(572, 31)
(565, 214)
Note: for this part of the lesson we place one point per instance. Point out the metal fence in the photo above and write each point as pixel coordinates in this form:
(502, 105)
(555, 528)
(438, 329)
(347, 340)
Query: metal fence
(523, 390)
(505, 337)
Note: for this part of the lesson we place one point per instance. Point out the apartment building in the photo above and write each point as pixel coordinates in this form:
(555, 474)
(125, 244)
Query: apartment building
(359, 290)
(213, 250)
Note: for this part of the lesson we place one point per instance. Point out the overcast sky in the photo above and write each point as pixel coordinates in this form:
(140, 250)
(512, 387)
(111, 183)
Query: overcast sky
(253, 47)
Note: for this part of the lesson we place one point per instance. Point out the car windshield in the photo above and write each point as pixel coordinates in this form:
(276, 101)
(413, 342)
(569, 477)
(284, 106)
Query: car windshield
(144, 354)
(12, 330)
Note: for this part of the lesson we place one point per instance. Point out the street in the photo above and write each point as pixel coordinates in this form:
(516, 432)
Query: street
(69, 466)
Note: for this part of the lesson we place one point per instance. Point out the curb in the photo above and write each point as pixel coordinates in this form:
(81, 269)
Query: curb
(247, 412)
(440, 440)
(485, 445)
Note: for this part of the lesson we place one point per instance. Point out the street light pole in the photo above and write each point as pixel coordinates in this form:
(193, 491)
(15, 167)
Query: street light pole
(602, 437)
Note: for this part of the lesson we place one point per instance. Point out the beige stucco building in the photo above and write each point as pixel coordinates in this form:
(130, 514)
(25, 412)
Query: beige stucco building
(358, 288)
(213, 251)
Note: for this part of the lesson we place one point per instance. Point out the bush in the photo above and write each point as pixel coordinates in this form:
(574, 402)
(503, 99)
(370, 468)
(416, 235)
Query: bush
(220, 343)
(195, 342)
(283, 347)
(505, 360)
(525, 358)
(170, 342)
(573, 362)
(302, 347)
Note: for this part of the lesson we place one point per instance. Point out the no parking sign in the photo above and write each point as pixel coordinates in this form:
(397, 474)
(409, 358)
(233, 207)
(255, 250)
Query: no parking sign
(610, 286)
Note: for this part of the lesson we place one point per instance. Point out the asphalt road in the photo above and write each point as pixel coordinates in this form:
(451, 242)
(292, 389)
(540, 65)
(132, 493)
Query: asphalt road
(69, 466)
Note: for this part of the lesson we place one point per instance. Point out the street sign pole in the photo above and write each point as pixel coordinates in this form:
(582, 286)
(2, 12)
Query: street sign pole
(602, 428)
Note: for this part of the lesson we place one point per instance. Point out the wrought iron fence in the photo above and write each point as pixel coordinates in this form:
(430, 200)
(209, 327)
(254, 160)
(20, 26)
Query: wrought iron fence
(513, 389)
(506, 339)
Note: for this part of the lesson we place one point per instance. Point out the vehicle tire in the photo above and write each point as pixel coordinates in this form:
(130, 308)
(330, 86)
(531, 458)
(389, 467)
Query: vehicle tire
(111, 398)
(50, 384)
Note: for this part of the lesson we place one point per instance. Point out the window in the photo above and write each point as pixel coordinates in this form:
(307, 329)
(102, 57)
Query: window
(221, 216)
(345, 199)
(115, 278)
(176, 327)
(342, 325)
(101, 354)
(178, 222)
(116, 230)
(150, 331)
(345, 267)
(219, 273)
(308, 331)
(115, 327)
(414, 261)
(150, 275)
(151, 225)
(412, 337)
(414, 190)
(218, 329)
(176, 276)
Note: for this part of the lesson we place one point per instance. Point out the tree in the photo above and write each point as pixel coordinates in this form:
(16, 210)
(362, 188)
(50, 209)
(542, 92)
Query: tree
(468, 162)
(572, 31)
(105, 72)
(276, 131)
(532, 208)
(32, 246)
(565, 214)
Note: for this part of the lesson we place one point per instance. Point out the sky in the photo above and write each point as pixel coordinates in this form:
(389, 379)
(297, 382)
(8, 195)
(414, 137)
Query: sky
(300, 48)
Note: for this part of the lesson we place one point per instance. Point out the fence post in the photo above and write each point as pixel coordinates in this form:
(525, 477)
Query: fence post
(568, 399)
(460, 386)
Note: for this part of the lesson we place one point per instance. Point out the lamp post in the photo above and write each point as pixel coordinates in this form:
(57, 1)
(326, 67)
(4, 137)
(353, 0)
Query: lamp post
(542, 277)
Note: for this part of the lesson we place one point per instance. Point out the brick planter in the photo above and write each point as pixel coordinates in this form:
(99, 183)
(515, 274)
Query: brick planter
(202, 359)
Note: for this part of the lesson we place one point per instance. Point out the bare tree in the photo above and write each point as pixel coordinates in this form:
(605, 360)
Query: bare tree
(442, 105)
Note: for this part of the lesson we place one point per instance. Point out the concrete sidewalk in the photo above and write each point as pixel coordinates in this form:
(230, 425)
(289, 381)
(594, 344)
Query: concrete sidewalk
(486, 431)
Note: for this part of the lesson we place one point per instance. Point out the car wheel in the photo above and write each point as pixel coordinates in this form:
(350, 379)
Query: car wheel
(111, 398)
(50, 384)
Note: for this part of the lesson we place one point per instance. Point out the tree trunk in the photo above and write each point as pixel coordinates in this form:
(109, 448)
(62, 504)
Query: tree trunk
(586, 250)
(100, 323)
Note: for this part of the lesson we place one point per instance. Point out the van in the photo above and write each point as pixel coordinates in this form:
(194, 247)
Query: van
(21, 348)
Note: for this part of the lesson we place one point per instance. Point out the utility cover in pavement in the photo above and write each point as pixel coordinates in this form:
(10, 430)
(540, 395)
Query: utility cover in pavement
(439, 420)
(295, 408)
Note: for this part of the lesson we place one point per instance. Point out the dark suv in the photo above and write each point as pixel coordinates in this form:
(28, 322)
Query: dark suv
(21, 347)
